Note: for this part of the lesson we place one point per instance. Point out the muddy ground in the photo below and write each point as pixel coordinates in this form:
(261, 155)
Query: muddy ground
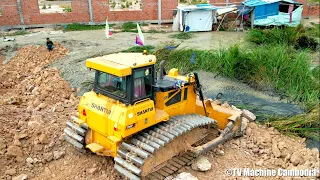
(31, 140)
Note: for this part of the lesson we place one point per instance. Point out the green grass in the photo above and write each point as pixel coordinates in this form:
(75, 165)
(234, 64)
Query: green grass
(274, 65)
(129, 26)
(316, 73)
(279, 66)
(299, 37)
(126, 27)
(18, 33)
(305, 125)
(313, 31)
(182, 35)
(140, 49)
(83, 27)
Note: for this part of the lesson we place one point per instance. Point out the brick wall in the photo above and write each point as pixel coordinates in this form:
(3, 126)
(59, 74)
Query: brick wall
(80, 12)
(10, 14)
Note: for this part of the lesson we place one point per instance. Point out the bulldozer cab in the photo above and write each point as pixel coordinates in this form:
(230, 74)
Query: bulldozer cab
(126, 77)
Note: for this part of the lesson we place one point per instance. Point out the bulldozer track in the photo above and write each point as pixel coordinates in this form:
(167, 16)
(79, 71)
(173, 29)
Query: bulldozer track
(133, 153)
(173, 165)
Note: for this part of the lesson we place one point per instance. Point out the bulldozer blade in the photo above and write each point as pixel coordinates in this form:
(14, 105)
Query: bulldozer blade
(212, 144)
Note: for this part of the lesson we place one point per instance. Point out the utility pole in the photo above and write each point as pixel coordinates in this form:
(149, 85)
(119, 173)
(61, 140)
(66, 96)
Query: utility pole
(159, 12)
(90, 12)
(21, 14)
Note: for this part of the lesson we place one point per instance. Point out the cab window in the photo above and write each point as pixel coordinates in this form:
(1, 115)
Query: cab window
(142, 83)
(112, 84)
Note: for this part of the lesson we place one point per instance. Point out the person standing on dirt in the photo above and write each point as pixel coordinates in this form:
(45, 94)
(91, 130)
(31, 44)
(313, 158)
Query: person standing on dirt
(50, 45)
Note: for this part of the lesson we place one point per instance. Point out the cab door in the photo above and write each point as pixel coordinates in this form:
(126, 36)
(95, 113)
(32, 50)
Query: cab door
(142, 94)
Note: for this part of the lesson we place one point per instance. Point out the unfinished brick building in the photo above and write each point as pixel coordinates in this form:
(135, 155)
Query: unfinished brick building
(24, 13)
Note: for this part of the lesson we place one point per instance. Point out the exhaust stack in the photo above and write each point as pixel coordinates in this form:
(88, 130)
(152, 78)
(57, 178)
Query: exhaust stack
(162, 69)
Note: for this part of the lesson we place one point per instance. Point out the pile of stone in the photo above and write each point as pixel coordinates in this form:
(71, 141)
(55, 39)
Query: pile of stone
(27, 61)
(34, 111)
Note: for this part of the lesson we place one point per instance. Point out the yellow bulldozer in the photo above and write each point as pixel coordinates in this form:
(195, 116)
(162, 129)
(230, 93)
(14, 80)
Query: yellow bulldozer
(152, 126)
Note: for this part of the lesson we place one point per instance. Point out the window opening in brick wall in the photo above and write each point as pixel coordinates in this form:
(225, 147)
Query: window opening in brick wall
(125, 5)
(54, 6)
(0, 11)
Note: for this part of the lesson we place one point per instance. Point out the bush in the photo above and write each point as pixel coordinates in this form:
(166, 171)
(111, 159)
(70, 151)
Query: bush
(44, 6)
(67, 9)
(306, 42)
(113, 5)
(256, 36)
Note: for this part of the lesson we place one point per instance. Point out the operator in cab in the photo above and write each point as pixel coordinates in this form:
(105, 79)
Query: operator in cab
(113, 84)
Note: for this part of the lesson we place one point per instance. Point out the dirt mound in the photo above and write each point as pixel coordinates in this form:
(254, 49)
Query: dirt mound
(27, 61)
(31, 127)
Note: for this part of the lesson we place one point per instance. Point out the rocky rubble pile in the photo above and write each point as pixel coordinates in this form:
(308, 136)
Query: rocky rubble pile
(274, 150)
(264, 148)
(28, 60)
(33, 112)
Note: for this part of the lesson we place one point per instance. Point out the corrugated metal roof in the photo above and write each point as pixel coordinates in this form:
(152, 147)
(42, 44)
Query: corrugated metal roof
(252, 3)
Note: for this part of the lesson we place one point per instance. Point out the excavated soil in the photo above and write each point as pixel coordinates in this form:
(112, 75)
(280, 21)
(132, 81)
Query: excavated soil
(36, 102)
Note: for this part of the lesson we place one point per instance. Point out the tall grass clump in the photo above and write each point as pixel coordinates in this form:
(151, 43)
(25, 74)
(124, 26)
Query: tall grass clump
(305, 125)
(278, 66)
(286, 69)
(298, 37)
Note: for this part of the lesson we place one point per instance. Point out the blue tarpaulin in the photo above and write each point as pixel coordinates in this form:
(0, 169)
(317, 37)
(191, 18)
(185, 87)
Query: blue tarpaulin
(263, 11)
(266, 12)
(253, 3)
